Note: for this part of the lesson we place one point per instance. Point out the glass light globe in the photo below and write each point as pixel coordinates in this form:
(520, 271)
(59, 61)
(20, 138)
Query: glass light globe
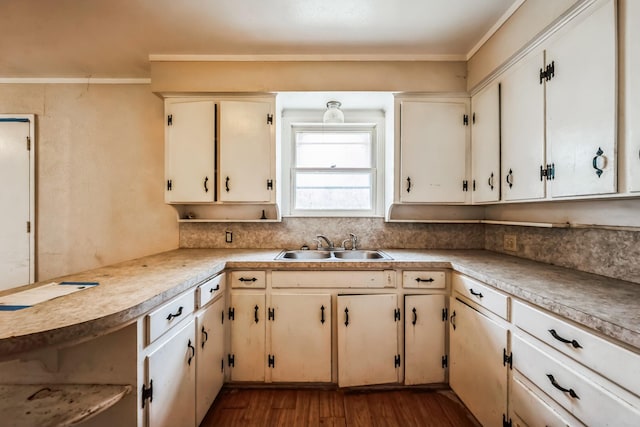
(333, 113)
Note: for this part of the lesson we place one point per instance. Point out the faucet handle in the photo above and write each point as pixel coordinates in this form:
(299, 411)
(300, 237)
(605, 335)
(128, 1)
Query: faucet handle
(354, 241)
(318, 243)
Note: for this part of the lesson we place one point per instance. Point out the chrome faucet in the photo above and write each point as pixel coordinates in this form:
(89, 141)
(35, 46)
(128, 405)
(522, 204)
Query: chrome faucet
(354, 242)
(320, 238)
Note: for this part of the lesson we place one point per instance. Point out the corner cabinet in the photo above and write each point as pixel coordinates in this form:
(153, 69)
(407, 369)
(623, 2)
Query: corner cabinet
(220, 157)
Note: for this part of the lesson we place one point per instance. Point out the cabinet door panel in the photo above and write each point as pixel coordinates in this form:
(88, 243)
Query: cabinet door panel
(522, 128)
(301, 337)
(631, 107)
(485, 145)
(190, 152)
(581, 106)
(245, 151)
(210, 359)
(477, 373)
(367, 339)
(424, 331)
(172, 368)
(433, 142)
(248, 336)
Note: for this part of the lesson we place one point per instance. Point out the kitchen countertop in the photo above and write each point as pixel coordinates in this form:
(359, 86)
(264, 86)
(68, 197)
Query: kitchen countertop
(130, 289)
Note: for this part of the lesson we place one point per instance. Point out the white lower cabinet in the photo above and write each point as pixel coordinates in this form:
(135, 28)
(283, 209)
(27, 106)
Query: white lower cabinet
(248, 352)
(368, 339)
(424, 339)
(210, 356)
(171, 377)
(300, 337)
(478, 370)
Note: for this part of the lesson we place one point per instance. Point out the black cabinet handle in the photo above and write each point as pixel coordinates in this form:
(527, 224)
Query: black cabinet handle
(415, 316)
(571, 392)
(429, 280)
(408, 184)
(206, 180)
(255, 313)
(574, 343)
(226, 184)
(193, 352)
(242, 279)
(322, 314)
(171, 316)
(346, 317)
(599, 153)
(490, 181)
(452, 320)
(205, 336)
(509, 178)
(475, 294)
(217, 288)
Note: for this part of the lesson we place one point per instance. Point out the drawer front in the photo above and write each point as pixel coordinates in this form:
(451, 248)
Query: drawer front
(424, 279)
(167, 316)
(333, 279)
(585, 400)
(618, 364)
(482, 294)
(209, 290)
(248, 279)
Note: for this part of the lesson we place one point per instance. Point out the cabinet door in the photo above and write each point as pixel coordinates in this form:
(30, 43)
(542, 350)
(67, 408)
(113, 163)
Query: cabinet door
(581, 106)
(522, 130)
(210, 356)
(433, 152)
(485, 145)
(301, 337)
(424, 329)
(367, 339)
(190, 151)
(171, 369)
(248, 336)
(477, 373)
(631, 85)
(246, 151)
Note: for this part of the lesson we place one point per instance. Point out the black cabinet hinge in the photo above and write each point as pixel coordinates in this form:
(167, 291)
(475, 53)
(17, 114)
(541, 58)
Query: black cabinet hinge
(269, 119)
(548, 72)
(231, 360)
(465, 120)
(396, 314)
(445, 314)
(507, 359)
(269, 184)
(473, 185)
(170, 120)
(465, 185)
(28, 226)
(147, 393)
(271, 314)
(271, 360)
(396, 361)
(445, 361)
(506, 423)
(473, 118)
(222, 317)
(169, 185)
(549, 172)
(222, 365)
(232, 313)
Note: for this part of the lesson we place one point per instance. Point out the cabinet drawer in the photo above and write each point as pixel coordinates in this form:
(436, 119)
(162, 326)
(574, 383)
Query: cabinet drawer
(587, 401)
(209, 290)
(424, 279)
(248, 279)
(493, 301)
(592, 351)
(333, 279)
(167, 316)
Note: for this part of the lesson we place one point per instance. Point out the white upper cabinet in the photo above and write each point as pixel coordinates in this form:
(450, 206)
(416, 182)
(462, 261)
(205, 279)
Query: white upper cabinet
(246, 151)
(522, 127)
(190, 151)
(581, 105)
(433, 151)
(631, 104)
(485, 145)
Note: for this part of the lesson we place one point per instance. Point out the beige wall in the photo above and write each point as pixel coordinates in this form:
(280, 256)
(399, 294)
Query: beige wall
(100, 173)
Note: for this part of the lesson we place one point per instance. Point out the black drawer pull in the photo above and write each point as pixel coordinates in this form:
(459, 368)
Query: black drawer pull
(217, 288)
(171, 316)
(429, 280)
(242, 279)
(574, 343)
(476, 294)
(571, 392)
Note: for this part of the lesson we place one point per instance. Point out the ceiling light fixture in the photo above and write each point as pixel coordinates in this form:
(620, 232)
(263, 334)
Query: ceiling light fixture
(333, 114)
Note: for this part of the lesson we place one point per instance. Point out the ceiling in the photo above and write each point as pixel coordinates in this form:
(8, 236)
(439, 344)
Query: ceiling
(114, 38)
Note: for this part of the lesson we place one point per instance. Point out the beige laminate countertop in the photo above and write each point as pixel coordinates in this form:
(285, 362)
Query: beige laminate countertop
(130, 289)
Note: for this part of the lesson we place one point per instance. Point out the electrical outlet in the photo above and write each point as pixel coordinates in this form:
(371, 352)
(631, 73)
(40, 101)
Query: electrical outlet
(228, 237)
(510, 242)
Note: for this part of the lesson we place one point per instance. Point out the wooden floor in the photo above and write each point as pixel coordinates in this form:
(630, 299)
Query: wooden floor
(312, 407)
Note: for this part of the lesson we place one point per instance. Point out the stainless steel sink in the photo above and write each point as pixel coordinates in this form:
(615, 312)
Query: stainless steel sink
(335, 255)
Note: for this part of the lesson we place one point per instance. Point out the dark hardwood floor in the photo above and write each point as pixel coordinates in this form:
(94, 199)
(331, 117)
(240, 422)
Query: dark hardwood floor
(315, 407)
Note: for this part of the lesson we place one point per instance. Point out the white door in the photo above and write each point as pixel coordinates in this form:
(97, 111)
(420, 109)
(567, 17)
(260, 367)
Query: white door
(17, 201)
(367, 340)
(485, 145)
(301, 337)
(522, 131)
(210, 358)
(171, 372)
(424, 330)
(433, 152)
(246, 147)
(190, 151)
(581, 106)
(248, 336)
(631, 99)
(477, 373)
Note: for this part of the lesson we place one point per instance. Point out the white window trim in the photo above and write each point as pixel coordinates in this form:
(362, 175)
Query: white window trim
(313, 118)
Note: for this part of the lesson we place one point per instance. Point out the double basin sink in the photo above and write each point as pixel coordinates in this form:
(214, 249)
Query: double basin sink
(333, 255)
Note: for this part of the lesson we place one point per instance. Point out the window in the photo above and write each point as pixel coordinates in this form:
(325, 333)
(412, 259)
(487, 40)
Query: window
(333, 169)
